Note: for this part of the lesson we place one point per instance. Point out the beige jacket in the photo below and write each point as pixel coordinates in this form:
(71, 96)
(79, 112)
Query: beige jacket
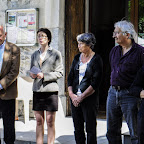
(9, 71)
(51, 67)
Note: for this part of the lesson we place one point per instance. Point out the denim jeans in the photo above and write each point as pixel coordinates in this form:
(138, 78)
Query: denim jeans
(141, 123)
(119, 104)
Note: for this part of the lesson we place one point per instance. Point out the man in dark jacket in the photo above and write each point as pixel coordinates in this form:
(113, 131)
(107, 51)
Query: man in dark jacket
(137, 89)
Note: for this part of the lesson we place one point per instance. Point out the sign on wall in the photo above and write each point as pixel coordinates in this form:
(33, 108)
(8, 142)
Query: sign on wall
(21, 26)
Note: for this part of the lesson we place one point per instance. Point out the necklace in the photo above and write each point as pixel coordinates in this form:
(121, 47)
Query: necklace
(86, 59)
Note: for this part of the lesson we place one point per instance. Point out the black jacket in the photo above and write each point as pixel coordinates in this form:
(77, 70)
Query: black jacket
(93, 74)
(138, 84)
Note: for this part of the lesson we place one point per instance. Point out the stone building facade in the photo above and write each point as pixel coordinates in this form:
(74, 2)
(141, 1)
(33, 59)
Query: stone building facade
(68, 18)
(51, 16)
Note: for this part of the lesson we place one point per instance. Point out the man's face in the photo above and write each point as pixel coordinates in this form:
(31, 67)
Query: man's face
(2, 35)
(119, 36)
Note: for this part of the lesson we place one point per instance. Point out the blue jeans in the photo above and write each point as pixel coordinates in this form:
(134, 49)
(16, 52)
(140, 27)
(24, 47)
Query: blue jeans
(141, 123)
(119, 104)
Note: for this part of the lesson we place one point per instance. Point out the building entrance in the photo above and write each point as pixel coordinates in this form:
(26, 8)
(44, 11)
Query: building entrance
(102, 14)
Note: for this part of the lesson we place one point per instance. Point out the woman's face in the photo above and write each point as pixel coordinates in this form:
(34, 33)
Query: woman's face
(42, 38)
(83, 47)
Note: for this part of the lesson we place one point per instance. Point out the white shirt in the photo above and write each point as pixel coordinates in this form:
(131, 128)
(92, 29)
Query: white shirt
(43, 55)
(82, 70)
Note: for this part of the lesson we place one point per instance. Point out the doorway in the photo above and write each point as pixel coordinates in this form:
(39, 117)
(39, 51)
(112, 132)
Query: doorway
(103, 15)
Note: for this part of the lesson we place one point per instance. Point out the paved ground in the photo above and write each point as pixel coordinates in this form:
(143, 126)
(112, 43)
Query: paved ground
(25, 133)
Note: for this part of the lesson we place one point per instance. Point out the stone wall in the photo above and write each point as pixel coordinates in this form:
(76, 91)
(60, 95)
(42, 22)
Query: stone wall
(51, 15)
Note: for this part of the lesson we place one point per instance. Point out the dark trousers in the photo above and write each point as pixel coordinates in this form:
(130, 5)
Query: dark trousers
(86, 112)
(141, 123)
(7, 107)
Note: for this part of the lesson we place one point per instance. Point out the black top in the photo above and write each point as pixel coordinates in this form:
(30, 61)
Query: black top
(93, 74)
(138, 84)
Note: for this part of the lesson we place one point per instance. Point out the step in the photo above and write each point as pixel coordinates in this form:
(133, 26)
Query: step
(127, 139)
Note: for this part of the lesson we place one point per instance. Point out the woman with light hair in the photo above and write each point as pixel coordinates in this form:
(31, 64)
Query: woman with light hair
(83, 86)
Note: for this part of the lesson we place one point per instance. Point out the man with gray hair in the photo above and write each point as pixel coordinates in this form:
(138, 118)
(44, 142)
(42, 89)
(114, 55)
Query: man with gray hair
(9, 70)
(125, 60)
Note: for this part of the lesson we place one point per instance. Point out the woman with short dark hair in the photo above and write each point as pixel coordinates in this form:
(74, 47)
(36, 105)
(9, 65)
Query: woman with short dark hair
(83, 86)
(46, 69)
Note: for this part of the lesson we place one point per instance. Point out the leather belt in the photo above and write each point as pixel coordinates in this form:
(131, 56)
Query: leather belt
(118, 88)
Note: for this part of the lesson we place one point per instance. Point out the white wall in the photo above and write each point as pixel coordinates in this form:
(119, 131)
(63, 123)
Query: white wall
(51, 15)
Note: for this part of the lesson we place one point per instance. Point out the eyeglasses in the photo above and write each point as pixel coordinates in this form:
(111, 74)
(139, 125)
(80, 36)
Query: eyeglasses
(80, 43)
(115, 33)
(42, 36)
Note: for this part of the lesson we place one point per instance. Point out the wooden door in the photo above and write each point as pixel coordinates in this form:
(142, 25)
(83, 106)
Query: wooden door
(134, 13)
(103, 15)
(74, 25)
(101, 21)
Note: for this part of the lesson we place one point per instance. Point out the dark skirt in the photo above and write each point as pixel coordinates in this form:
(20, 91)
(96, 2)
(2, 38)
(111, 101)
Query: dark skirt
(45, 101)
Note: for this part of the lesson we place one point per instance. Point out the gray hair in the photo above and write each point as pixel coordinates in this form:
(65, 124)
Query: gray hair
(87, 38)
(127, 27)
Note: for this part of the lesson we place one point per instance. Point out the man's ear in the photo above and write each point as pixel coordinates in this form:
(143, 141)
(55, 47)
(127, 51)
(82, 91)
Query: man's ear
(5, 33)
(128, 35)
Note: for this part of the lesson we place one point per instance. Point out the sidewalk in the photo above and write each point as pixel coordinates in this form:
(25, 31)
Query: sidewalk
(25, 133)
(64, 131)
